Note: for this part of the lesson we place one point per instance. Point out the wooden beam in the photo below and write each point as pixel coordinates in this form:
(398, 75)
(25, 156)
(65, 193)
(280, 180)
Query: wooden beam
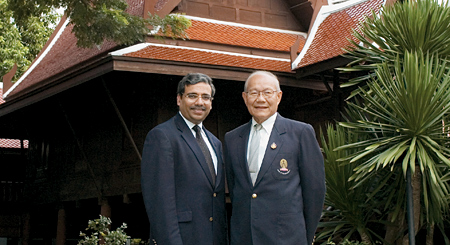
(335, 62)
(55, 85)
(316, 5)
(122, 122)
(80, 147)
(294, 48)
(7, 78)
(149, 7)
(133, 64)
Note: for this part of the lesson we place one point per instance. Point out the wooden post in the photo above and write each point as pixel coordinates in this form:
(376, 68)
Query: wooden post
(105, 209)
(26, 229)
(61, 228)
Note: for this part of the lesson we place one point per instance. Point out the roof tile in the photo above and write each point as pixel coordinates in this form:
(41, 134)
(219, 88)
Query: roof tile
(333, 33)
(1, 96)
(214, 58)
(330, 38)
(65, 54)
(242, 36)
(12, 143)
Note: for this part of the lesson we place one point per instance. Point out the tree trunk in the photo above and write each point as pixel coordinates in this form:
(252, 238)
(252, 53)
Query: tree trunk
(416, 183)
(393, 231)
(365, 238)
(430, 234)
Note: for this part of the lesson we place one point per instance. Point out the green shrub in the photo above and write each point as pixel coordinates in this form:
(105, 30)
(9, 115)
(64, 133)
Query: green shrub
(99, 230)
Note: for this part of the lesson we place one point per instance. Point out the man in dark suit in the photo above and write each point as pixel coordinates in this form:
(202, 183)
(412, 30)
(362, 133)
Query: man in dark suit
(275, 172)
(182, 172)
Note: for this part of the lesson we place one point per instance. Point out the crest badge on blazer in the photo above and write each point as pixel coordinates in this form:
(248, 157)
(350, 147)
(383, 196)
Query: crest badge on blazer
(283, 167)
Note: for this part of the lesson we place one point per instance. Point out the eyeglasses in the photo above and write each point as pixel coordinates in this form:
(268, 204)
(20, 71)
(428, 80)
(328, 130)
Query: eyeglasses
(266, 93)
(205, 97)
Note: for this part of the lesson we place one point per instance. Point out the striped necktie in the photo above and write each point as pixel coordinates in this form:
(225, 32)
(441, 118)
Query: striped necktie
(206, 153)
(253, 164)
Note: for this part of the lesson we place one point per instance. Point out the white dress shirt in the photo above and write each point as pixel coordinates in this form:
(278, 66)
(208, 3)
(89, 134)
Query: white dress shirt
(265, 132)
(205, 138)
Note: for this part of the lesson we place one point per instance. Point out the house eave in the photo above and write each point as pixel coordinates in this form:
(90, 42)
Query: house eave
(134, 64)
(322, 66)
(56, 84)
(81, 74)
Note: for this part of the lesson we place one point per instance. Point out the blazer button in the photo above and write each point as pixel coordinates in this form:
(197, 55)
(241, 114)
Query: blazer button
(211, 219)
(254, 195)
(215, 194)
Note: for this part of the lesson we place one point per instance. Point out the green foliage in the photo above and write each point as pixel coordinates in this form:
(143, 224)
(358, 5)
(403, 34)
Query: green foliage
(100, 20)
(20, 42)
(93, 23)
(100, 232)
(347, 242)
(407, 110)
(402, 108)
(171, 25)
(351, 209)
(25, 27)
(422, 26)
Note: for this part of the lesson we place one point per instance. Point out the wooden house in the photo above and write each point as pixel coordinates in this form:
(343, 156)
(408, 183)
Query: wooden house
(84, 113)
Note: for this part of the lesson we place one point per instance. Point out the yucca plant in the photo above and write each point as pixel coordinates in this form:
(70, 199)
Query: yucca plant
(350, 211)
(406, 104)
(406, 26)
(403, 116)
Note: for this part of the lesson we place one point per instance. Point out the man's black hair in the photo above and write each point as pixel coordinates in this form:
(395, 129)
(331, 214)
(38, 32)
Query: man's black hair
(194, 78)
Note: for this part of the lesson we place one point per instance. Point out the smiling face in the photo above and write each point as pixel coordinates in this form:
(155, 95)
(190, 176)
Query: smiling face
(262, 107)
(195, 110)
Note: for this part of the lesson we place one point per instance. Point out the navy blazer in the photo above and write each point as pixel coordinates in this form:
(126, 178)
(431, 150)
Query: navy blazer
(285, 205)
(182, 205)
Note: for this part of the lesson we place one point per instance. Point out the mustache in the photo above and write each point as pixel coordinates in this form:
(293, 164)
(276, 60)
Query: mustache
(198, 107)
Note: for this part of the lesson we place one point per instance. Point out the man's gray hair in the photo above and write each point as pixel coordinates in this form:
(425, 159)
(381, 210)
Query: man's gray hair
(266, 73)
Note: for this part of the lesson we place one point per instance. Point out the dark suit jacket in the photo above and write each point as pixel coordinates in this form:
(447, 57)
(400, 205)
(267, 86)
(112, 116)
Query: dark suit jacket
(284, 206)
(182, 205)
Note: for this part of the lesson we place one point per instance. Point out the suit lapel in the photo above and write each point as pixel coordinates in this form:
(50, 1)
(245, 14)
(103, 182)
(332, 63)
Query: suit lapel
(275, 138)
(190, 140)
(241, 150)
(216, 149)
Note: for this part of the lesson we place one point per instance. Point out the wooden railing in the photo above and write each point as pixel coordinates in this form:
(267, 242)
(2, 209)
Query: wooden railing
(11, 191)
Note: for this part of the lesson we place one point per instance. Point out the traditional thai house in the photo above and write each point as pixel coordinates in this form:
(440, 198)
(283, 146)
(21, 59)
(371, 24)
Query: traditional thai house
(80, 116)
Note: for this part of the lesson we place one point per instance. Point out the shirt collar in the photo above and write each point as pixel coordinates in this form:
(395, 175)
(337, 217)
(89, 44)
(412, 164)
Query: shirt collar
(268, 123)
(191, 124)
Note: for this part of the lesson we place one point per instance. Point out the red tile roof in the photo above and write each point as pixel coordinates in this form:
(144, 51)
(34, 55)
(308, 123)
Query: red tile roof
(327, 41)
(204, 56)
(61, 56)
(243, 35)
(64, 54)
(12, 143)
(329, 36)
(1, 96)
(228, 33)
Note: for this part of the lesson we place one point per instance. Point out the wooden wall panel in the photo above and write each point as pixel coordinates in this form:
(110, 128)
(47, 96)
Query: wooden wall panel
(267, 13)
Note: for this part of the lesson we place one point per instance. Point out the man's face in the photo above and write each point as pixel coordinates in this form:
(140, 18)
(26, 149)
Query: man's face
(195, 109)
(261, 97)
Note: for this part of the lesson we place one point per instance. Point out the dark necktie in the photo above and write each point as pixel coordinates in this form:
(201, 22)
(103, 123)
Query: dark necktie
(205, 152)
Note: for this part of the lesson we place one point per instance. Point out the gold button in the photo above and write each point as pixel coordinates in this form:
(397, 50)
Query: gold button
(215, 194)
(211, 219)
(254, 195)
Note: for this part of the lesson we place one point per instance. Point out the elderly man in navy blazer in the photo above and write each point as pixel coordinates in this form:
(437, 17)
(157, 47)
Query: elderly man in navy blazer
(275, 172)
(183, 180)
